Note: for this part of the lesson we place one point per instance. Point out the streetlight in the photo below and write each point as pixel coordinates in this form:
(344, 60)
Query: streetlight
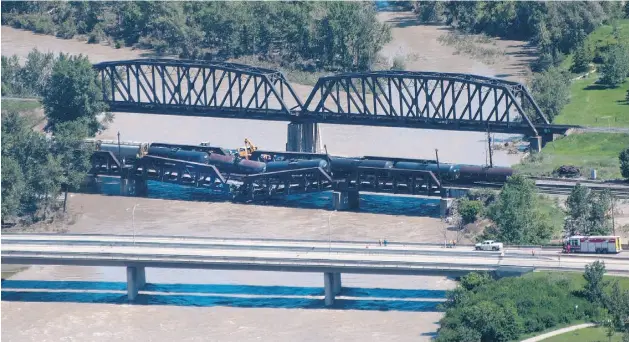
(329, 234)
(133, 221)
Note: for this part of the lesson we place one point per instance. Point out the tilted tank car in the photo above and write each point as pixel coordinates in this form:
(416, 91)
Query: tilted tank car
(174, 153)
(447, 172)
(296, 164)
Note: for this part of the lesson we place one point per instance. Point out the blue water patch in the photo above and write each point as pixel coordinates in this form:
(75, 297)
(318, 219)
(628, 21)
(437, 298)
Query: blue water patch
(211, 295)
(369, 202)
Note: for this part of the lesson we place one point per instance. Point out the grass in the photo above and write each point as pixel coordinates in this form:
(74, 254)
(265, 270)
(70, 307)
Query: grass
(577, 283)
(576, 279)
(19, 105)
(588, 150)
(594, 334)
(604, 36)
(595, 105)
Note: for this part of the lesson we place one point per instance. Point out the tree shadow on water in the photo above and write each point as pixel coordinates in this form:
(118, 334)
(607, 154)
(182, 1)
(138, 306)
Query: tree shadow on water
(211, 295)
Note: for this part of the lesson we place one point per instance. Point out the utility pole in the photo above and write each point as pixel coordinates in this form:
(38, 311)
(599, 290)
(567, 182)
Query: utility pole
(491, 159)
(119, 146)
(443, 195)
(438, 168)
(613, 220)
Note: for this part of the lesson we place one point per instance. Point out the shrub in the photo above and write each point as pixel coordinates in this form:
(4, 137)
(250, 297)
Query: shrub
(470, 210)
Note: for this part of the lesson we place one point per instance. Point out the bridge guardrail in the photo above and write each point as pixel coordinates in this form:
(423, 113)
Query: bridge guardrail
(333, 250)
(366, 242)
(129, 258)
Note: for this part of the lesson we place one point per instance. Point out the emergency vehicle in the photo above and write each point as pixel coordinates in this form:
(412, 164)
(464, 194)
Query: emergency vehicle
(592, 244)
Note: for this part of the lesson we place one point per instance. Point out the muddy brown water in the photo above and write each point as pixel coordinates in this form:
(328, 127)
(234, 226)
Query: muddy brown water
(87, 303)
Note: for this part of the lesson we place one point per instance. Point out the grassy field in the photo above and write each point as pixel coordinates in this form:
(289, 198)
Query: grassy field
(577, 280)
(586, 151)
(585, 335)
(593, 105)
(19, 105)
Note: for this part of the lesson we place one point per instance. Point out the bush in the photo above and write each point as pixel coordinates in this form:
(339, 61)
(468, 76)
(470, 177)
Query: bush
(470, 210)
(503, 310)
(67, 30)
(399, 63)
(551, 91)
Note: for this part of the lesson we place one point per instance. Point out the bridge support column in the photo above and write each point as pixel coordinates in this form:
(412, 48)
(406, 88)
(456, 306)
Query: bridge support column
(136, 279)
(336, 278)
(546, 138)
(124, 186)
(535, 144)
(444, 206)
(141, 187)
(328, 282)
(302, 137)
(345, 200)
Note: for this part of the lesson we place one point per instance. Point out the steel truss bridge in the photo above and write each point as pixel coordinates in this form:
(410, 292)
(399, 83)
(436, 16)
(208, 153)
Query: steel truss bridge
(407, 99)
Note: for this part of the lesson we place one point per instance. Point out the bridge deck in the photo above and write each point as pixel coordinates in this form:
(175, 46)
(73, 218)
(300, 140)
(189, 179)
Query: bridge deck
(314, 257)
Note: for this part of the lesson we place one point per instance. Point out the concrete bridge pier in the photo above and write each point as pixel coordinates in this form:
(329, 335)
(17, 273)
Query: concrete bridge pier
(535, 144)
(136, 279)
(302, 137)
(141, 187)
(332, 286)
(444, 206)
(345, 200)
(336, 286)
(546, 138)
(124, 186)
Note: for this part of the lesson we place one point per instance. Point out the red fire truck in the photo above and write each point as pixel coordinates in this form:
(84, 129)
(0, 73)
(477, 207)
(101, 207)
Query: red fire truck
(592, 244)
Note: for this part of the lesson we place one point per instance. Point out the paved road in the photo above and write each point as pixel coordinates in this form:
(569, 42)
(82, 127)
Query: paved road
(314, 256)
(286, 244)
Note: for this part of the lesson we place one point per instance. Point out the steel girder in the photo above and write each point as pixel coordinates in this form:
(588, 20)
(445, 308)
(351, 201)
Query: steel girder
(424, 99)
(185, 87)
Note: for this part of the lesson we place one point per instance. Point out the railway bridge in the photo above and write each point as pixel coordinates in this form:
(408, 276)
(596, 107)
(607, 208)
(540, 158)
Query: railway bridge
(431, 100)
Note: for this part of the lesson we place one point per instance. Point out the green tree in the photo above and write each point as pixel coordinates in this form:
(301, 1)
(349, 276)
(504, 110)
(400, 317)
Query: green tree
(516, 214)
(624, 163)
(73, 93)
(594, 283)
(551, 91)
(617, 304)
(579, 207)
(581, 59)
(599, 218)
(12, 188)
(615, 68)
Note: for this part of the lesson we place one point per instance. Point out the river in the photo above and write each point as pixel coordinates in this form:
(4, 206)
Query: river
(88, 303)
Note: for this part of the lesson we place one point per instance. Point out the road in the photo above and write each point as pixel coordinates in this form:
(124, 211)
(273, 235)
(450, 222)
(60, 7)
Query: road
(283, 255)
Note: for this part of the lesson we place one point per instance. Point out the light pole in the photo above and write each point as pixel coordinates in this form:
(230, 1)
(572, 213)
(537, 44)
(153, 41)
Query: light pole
(133, 220)
(329, 234)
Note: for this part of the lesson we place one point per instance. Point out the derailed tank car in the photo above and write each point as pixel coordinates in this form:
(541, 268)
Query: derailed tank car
(171, 153)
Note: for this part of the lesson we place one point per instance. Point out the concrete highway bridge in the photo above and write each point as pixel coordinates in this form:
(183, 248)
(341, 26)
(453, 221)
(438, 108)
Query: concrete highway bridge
(136, 253)
(446, 101)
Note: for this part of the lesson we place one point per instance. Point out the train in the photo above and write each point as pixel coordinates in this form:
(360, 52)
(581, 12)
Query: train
(337, 167)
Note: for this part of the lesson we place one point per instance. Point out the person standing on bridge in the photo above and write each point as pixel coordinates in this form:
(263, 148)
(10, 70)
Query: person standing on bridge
(384, 242)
